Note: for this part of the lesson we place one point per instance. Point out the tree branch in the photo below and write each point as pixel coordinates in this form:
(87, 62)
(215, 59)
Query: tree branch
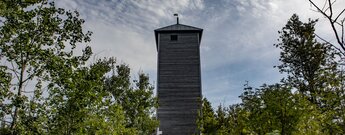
(339, 15)
(330, 8)
(14, 71)
(28, 91)
(340, 39)
(324, 5)
(343, 53)
(321, 11)
(336, 34)
(342, 30)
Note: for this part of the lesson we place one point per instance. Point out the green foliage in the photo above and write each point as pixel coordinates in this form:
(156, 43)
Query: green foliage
(207, 119)
(33, 35)
(309, 101)
(38, 44)
(224, 121)
(271, 108)
(137, 101)
(313, 70)
(81, 105)
(310, 65)
(237, 120)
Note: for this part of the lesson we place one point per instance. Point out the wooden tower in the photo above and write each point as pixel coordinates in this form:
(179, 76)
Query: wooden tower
(179, 78)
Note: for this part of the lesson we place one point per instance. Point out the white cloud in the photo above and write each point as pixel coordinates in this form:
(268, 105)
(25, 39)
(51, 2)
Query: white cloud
(124, 29)
(125, 44)
(237, 43)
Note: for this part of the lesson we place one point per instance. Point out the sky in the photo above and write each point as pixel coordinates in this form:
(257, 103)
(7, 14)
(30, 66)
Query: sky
(237, 43)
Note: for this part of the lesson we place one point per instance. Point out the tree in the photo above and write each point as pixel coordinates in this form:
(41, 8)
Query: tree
(311, 118)
(310, 100)
(45, 88)
(269, 109)
(137, 101)
(310, 65)
(222, 121)
(33, 35)
(252, 104)
(282, 108)
(312, 70)
(272, 108)
(206, 121)
(81, 104)
(237, 120)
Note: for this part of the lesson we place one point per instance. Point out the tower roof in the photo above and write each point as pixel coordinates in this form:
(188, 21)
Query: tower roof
(179, 28)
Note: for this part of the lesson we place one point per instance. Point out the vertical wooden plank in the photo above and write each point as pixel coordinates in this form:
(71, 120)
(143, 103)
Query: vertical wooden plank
(179, 83)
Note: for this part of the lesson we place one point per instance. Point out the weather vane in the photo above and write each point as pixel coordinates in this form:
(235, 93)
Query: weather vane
(176, 18)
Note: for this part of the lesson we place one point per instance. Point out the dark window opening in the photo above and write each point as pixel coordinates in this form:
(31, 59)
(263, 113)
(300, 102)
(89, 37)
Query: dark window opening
(173, 37)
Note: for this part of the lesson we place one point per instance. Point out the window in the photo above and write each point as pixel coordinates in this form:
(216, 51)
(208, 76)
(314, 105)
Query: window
(173, 37)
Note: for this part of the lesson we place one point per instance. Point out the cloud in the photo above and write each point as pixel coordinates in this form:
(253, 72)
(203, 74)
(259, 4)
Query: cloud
(138, 14)
(237, 43)
(124, 29)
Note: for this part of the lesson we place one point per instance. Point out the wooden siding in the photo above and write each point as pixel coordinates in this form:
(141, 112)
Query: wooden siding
(179, 83)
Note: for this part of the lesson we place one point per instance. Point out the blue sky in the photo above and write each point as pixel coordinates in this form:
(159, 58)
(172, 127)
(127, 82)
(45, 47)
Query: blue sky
(237, 43)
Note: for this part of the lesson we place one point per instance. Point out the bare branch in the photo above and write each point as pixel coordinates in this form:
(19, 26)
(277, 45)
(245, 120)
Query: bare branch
(330, 8)
(339, 15)
(340, 39)
(26, 84)
(323, 13)
(343, 53)
(324, 5)
(342, 30)
(337, 35)
(315, 10)
(29, 78)
(338, 23)
(28, 91)
(14, 71)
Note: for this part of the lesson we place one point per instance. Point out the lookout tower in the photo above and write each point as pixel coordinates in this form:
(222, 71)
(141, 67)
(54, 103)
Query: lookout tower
(179, 78)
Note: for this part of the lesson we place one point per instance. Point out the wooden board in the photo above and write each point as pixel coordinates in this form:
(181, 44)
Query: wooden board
(179, 83)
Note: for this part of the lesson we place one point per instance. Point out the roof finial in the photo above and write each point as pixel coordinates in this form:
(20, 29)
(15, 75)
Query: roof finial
(177, 18)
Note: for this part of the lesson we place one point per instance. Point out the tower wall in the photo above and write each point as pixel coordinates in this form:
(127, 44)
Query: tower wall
(179, 82)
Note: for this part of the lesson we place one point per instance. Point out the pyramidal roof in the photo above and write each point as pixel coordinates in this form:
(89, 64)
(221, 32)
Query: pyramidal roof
(177, 28)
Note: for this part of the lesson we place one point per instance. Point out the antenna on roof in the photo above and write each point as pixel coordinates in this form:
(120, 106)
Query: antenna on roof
(177, 18)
